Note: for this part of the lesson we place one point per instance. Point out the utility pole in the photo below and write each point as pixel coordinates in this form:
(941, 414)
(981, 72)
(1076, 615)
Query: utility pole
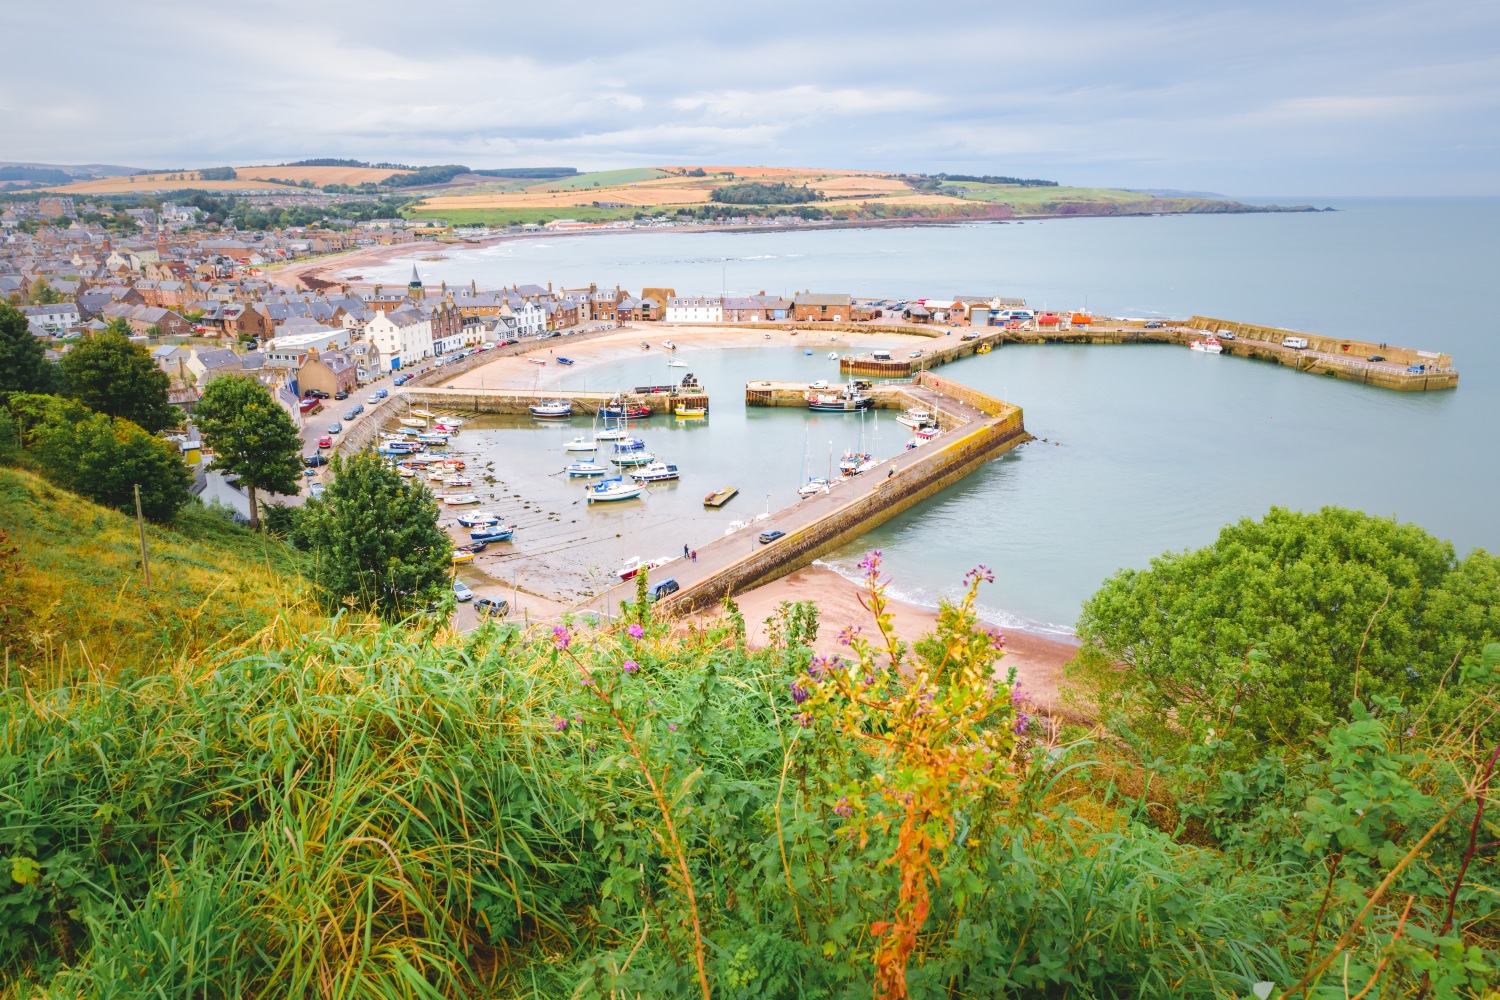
(140, 523)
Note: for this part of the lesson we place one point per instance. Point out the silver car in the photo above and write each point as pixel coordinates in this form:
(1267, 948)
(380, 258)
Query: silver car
(461, 591)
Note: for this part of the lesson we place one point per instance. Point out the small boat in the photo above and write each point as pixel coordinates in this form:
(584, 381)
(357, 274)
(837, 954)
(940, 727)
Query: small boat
(926, 434)
(656, 472)
(807, 351)
(451, 422)
(581, 469)
(610, 434)
(629, 444)
(669, 345)
(537, 361)
(851, 461)
(460, 499)
(674, 363)
(413, 422)
(477, 519)
(736, 526)
(867, 465)
(766, 335)
(833, 355)
(613, 489)
(689, 412)
(645, 346)
(406, 473)
(423, 413)
(720, 497)
(582, 443)
(982, 349)
(630, 411)
(474, 547)
(457, 481)
(847, 401)
(399, 447)
(915, 417)
(1208, 345)
(437, 439)
(551, 409)
(813, 487)
(631, 459)
(565, 361)
(462, 556)
(634, 565)
(493, 533)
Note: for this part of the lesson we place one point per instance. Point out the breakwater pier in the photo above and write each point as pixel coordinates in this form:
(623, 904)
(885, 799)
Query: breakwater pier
(977, 428)
(1400, 368)
(660, 400)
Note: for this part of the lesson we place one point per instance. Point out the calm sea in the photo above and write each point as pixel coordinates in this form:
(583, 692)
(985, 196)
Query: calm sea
(1147, 449)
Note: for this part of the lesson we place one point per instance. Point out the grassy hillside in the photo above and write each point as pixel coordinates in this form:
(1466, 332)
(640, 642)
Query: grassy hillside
(75, 596)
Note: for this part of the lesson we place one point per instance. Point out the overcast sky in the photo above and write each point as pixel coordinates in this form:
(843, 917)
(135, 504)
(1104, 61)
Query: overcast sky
(1284, 97)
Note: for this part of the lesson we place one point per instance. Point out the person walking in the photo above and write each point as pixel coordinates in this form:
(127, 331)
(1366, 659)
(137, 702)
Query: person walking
(695, 555)
(684, 552)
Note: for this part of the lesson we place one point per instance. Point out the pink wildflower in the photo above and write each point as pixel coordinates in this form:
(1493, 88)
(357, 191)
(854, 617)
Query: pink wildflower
(636, 631)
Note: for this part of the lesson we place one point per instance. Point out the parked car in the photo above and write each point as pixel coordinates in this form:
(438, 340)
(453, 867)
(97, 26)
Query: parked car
(821, 383)
(313, 461)
(767, 537)
(492, 607)
(1376, 357)
(325, 441)
(335, 428)
(372, 398)
(317, 491)
(660, 590)
(351, 413)
(317, 394)
(381, 393)
(1295, 343)
(401, 379)
(1226, 334)
(462, 592)
(341, 394)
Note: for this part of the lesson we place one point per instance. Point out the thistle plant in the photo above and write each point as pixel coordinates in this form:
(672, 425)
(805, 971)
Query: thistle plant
(936, 734)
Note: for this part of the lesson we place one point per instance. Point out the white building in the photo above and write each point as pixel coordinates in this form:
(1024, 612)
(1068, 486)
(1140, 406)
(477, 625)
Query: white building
(530, 319)
(402, 336)
(695, 309)
(55, 318)
(291, 351)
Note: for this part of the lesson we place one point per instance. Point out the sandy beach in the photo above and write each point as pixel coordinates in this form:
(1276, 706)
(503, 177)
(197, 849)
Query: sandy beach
(1038, 660)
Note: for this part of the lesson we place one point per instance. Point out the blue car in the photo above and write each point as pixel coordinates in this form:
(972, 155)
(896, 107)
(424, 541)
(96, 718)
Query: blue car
(381, 394)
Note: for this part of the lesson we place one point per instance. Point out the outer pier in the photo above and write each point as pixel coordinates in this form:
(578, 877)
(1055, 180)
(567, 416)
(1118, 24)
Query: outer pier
(977, 429)
(1401, 368)
(657, 399)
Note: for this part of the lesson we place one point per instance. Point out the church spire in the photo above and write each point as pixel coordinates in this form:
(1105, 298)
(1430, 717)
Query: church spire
(414, 288)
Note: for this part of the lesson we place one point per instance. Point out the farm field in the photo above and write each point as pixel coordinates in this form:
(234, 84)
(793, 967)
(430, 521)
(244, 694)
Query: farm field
(188, 180)
(319, 175)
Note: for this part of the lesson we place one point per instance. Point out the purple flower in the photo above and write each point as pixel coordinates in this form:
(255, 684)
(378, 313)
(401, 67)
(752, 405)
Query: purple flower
(815, 668)
(871, 564)
(799, 693)
(1022, 721)
(847, 634)
(1017, 695)
(805, 719)
(672, 726)
(844, 808)
(869, 680)
(635, 631)
(560, 637)
(630, 666)
(980, 572)
(559, 723)
(997, 638)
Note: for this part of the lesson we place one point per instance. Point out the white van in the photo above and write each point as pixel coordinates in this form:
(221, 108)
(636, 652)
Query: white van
(880, 355)
(1295, 343)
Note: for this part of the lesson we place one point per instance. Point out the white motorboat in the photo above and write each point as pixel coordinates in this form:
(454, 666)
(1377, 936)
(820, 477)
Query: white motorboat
(632, 459)
(833, 355)
(460, 499)
(630, 444)
(635, 564)
(867, 465)
(674, 363)
(614, 489)
(850, 462)
(610, 434)
(537, 361)
(915, 417)
(1208, 345)
(669, 345)
(413, 422)
(813, 487)
(457, 481)
(552, 409)
(582, 469)
(655, 472)
(437, 439)
(450, 421)
(478, 518)
(582, 443)
(423, 413)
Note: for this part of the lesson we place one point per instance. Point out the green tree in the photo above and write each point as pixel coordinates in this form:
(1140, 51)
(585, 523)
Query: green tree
(376, 538)
(111, 375)
(1274, 629)
(251, 437)
(43, 294)
(23, 359)
(103, 458)
(119, 327)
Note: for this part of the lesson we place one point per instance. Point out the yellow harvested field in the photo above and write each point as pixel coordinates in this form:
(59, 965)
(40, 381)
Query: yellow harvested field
(159, 182)
(319, 175)
(582, 197)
